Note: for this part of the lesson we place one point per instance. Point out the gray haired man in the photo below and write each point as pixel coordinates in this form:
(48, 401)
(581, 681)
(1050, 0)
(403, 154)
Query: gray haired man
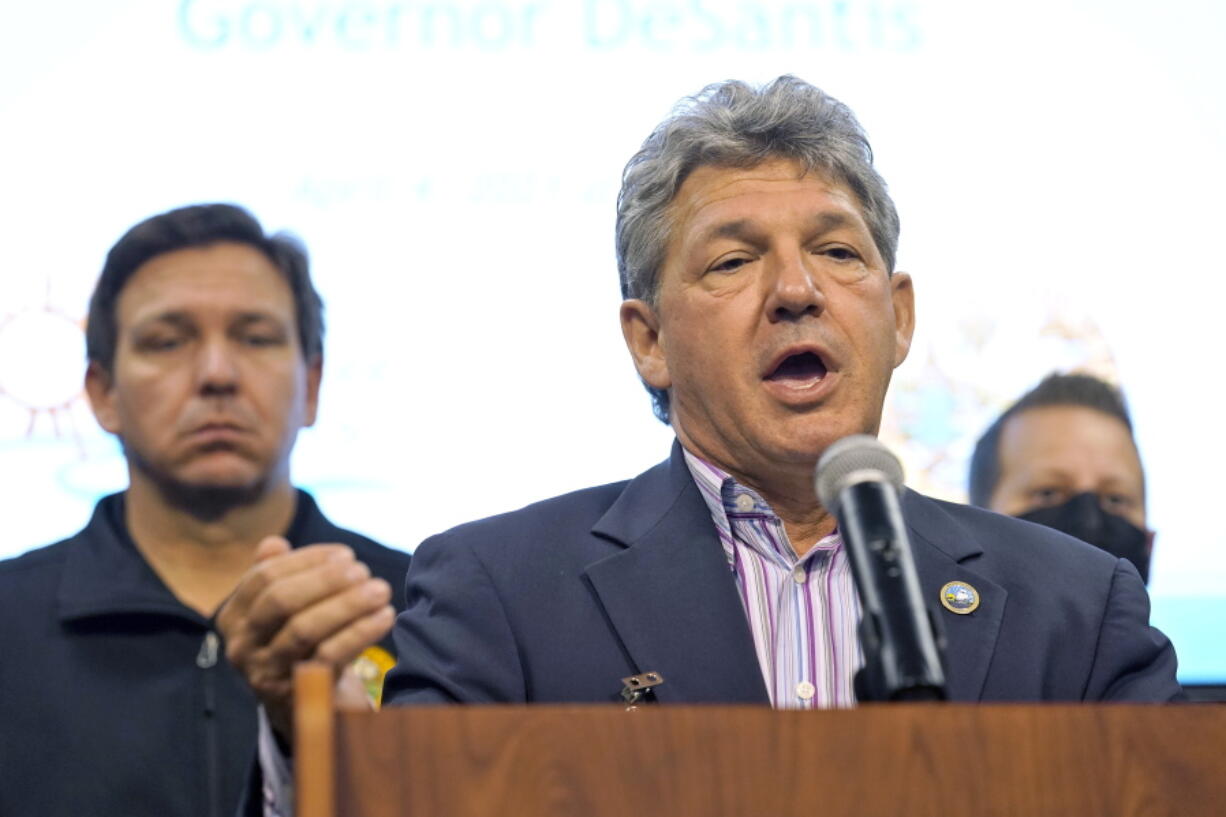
(756, 247)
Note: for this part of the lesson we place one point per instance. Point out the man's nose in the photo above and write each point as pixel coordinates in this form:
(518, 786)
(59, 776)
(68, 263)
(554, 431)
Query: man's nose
(217, 368)
(794, 289)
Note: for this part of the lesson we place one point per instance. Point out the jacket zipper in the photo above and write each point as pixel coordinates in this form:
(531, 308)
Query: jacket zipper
(206, 660)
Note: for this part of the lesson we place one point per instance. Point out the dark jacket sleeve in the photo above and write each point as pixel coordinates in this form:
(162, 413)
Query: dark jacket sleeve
(454, 640)
(1133, 662)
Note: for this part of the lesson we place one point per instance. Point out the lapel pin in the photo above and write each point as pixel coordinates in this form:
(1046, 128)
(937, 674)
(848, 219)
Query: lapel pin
(636, 687)
(960, 598)
(371, 667)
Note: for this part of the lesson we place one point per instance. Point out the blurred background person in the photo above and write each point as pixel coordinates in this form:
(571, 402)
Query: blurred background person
(1064, 456)
(205, 355)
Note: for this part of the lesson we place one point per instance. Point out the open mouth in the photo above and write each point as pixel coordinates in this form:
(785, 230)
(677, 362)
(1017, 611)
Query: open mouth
(802, 367)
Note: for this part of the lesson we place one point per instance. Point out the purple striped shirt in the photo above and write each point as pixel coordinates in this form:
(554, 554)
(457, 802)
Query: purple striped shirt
(802, 611)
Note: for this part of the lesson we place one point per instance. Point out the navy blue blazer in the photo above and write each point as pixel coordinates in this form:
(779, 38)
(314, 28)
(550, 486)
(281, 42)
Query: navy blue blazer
(560, 600)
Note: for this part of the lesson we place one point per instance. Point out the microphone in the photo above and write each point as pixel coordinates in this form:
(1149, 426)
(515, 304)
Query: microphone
(858, 480)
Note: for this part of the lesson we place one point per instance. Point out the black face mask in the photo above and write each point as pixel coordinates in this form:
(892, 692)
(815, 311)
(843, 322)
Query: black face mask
(1083, 517)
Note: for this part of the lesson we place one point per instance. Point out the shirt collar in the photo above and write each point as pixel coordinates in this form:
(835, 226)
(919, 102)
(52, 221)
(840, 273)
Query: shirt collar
(724, 496)
(728, 499)
(105, 573)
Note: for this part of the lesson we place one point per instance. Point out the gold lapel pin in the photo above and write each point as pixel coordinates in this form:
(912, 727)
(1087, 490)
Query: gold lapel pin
(960, 598)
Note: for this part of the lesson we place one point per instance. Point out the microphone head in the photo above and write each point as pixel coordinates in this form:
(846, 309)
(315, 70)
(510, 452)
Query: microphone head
(854, 459)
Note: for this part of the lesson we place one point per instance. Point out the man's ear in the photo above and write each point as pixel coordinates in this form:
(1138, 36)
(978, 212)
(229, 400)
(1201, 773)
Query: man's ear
(902, 294)
(99, 388)
(314, 375)
(641, 329)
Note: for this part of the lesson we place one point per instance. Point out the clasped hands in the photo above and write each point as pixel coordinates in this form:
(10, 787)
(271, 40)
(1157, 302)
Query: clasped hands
(314, 603)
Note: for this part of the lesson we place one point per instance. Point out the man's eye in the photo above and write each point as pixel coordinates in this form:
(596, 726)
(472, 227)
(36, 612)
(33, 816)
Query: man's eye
(159, 343)
(840, 253)
(730, 264)
(1047, 496)
(1114, 502)
(263, 339)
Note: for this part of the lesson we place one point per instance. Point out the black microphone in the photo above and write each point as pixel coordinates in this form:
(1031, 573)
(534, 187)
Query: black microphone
(858, 480)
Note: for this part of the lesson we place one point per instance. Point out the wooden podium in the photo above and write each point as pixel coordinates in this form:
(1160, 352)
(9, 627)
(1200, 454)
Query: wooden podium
(943, 760)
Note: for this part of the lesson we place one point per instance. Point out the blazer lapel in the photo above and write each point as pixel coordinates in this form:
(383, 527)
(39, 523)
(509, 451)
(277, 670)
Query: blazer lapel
(944, 552)
(673, 602)
(670, 594)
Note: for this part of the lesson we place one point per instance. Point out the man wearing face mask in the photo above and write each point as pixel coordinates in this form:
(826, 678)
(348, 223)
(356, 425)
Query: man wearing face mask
(1064, 456)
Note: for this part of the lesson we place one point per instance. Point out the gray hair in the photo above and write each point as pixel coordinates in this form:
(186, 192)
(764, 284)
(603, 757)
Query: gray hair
(733, 124)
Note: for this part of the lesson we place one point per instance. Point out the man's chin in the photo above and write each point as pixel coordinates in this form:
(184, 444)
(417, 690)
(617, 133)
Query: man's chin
(206, 487)
(210, 495)
(806, 437)
(805, 446)
(209, 501)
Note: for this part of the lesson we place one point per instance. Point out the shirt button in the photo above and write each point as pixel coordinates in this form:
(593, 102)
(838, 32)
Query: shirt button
(744, 503)
(799, 575)
(805, 691)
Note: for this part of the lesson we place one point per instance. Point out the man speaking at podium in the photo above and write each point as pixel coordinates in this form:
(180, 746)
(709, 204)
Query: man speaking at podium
(756, 247)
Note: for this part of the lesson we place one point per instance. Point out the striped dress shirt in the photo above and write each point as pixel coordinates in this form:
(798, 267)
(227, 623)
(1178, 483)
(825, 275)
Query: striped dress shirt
(802, 611)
